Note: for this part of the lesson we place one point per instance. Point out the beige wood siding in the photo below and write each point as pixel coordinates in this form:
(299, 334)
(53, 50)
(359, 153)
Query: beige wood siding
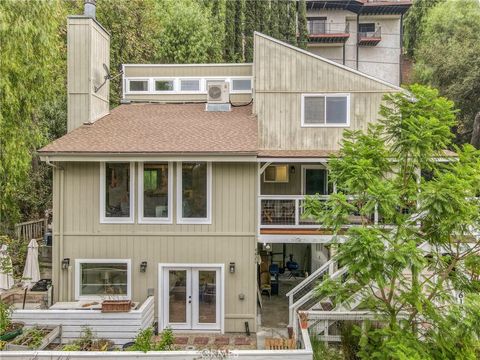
(283, 73)
(88, 49)
(230, 237)
(190, 70)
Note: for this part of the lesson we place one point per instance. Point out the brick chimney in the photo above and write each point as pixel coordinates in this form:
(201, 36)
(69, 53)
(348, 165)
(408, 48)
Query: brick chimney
(88, 53)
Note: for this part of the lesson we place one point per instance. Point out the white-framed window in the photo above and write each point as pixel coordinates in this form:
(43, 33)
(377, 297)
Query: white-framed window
(164, 85)
(241, 85)
(116, 192)
(325, 110)
(190, 85)
(276, 174)
(138, 85)
(155, 192)
(103, 279)
(194, 192)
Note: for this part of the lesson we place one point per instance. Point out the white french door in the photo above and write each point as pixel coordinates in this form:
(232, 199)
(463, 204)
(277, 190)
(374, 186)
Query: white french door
(191, 297)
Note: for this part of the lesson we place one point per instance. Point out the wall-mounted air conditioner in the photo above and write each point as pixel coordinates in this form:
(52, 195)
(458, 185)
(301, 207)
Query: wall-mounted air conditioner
(218, 92)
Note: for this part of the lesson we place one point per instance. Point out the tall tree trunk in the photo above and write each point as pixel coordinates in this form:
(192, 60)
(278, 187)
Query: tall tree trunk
(475, 140)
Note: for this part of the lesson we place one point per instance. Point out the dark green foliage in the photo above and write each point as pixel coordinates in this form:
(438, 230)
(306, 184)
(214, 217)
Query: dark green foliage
(251, 9)
(292, 23)
(145, 341)
(414, 23)
(239, 31)
(275, 19)
(302, 24)
(229, 46)
(447, 57)
(386, 265)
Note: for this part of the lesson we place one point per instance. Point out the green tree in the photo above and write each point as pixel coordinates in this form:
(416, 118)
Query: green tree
(275, 19)
(135, 33)
(217, 14)
(30, 61)
(238, 39)
(447, 58)
(292, 23)
(283, 20)
(407, 266)
(302, 24)
(414, 23)
(186, 34)
(229, 52)
(251, 9)
(262, 15)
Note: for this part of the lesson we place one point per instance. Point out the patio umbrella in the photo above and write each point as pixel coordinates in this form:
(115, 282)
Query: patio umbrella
(31, 273)
(6, 271)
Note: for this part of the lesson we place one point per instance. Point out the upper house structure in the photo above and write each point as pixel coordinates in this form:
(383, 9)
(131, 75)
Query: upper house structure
(365, 35)
(192, 189)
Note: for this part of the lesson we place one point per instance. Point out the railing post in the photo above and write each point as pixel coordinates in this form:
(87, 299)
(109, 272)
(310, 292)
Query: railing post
(297, 212)
(375, 215)
(290, 310)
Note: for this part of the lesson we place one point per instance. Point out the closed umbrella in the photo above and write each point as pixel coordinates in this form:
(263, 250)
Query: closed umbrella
(31, 273)
(6, 271)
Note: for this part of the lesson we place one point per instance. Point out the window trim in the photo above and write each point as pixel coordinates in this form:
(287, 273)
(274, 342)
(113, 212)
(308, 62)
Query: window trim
(117, 220)
(180, 219)
(325, 125)
(78, 262)
(154, 220)
(147, 79)
(274, 181)
(176, 84)
(155, 79)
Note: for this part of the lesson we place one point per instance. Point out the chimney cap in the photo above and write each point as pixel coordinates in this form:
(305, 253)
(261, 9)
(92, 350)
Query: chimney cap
(90, 8)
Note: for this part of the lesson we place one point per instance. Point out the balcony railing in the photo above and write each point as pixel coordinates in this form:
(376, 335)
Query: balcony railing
(322, 31)
(286, 211)
(370, 38)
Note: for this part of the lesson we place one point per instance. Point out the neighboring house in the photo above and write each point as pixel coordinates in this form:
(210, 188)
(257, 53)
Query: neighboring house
(166, 195)
(362, 34)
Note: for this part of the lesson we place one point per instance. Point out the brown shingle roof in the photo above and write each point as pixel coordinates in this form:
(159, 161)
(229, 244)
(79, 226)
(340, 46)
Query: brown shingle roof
(163, 128)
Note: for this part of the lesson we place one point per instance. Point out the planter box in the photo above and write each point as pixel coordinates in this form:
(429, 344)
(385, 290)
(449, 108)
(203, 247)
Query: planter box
(53, 333)
(112, 306)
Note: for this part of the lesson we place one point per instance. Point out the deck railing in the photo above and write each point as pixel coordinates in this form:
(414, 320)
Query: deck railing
(368, 35)
(34, 229)
(321, 27)
(286, 211)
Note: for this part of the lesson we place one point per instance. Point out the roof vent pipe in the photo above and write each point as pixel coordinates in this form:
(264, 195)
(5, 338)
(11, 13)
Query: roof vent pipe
(89, 9)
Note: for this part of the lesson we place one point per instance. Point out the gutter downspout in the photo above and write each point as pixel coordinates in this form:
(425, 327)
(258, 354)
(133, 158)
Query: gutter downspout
(358, 29)
(401, 52)
(61, 201)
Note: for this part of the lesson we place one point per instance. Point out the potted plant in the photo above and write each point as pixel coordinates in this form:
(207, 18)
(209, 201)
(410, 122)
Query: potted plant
(8, 329)
(303, 319)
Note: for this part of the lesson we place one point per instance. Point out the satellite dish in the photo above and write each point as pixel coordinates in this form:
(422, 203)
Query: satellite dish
(107, 71)
(106, 77)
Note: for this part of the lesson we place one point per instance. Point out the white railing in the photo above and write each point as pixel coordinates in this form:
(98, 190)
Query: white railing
(34, 229)
(286, 211)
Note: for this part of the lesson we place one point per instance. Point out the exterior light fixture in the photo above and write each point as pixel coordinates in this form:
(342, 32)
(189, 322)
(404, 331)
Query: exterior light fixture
(232, 268)
(143, 266)
(292, 169)
(65, 263)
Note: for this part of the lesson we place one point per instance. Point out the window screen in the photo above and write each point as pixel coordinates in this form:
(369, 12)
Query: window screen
(138, 85)
(314, 108)
(241, 84)
(190, 85)
(164, 85)
(336, 110)
(325, 110)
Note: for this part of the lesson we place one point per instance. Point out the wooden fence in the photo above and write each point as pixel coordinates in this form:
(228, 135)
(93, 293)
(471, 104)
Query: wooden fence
(118, 327)
(34, 229)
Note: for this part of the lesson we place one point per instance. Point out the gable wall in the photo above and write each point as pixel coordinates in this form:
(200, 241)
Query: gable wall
(282, 74)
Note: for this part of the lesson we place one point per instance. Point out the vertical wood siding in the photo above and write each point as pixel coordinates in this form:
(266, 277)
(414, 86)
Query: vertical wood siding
(230, 237)
(282, 74)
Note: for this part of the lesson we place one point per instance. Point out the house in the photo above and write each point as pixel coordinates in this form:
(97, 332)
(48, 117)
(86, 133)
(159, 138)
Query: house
(175, 196)
(365, 35)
